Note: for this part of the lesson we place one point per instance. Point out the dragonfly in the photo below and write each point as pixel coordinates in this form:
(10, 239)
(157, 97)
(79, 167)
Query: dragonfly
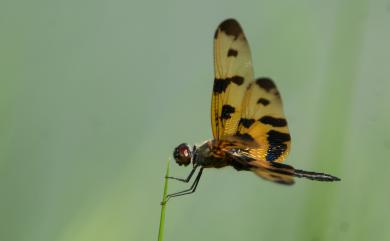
(249, 128)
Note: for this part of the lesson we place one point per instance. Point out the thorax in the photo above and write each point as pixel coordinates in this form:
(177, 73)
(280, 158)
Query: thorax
(209, 154)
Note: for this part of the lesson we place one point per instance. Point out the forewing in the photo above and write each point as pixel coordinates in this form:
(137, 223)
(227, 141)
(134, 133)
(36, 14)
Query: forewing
(263, 121)
(233, 72)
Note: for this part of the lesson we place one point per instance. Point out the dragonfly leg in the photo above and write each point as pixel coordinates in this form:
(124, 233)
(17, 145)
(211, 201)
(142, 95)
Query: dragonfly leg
(189, 176)
(187, 191)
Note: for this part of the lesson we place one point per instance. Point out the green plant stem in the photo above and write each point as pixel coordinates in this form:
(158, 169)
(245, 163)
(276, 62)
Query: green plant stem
(163, 206)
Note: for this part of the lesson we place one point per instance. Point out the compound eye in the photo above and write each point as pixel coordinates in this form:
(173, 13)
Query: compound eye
(184, 151)
(183, 154)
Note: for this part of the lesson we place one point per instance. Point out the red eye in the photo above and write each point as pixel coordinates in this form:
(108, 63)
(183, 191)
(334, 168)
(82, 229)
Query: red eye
(183, 154)
(183, 151)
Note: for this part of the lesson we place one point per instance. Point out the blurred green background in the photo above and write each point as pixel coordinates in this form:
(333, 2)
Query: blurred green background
(94, 96)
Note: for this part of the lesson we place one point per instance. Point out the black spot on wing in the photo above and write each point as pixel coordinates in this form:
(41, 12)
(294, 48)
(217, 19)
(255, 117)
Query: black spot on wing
(277, 145)
(265, 83)
(275, 151)
(227, 110)
(220, 85)
(263, 101)
(245, 137)
(276, 136)
(276, 122)
(230, 27)
(246, 122)
(232, 52)
(238, 80)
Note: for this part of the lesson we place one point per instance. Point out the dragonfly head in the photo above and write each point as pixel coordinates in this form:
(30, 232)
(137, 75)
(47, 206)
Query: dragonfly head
(183, 154)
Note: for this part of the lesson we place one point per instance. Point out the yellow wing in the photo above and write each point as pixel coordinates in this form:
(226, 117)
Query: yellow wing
(233, 72)
(247, 116)
(262, 140)
(263, 121)
(238, 152)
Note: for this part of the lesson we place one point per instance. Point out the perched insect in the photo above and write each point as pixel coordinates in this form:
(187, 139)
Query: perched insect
(249, 128)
